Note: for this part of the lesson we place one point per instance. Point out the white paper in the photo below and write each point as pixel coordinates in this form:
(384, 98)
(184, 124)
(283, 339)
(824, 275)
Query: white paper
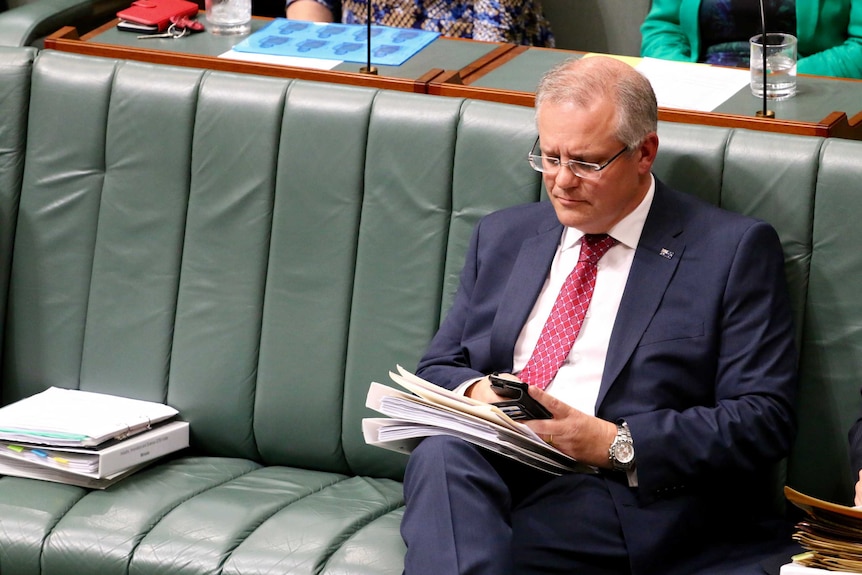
(686, 86)
(33, 471)
(70, 417)
(434, 410)
(403, 436)
(103, 461)
(315, 63)
(796, 569)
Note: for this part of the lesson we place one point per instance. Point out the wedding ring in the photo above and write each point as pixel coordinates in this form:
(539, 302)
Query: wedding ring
(551, 440)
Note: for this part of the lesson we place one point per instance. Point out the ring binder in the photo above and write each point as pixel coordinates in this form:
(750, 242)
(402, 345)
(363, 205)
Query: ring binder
(71, 417)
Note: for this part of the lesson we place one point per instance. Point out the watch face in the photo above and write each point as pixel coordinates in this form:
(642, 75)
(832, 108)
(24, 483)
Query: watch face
(624, 452)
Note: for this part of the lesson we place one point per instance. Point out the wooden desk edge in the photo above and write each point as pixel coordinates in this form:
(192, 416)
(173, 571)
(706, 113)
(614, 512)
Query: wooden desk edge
(842, 127)
(490, 61)
(67, 40)
(824, 128)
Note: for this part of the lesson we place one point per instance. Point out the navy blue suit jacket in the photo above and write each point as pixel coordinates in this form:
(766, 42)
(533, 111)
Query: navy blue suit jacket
(701, 362)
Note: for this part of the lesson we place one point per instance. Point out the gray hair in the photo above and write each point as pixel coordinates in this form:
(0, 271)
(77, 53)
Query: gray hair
(582, 81)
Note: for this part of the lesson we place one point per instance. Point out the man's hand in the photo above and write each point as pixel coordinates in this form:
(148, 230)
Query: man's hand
(481, 391)
(858, 500)
(578, 435)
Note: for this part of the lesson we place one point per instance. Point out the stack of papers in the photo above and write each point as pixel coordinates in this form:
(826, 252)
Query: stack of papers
(797, 569)
(85, 438)
(831, 533)
(34, 471)
(432, 410)
(71, 417)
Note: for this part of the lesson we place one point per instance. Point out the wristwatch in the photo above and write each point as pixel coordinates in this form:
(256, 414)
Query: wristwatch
(622, 450)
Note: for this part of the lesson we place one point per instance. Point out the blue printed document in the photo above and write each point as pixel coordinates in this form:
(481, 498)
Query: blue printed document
(344, 42)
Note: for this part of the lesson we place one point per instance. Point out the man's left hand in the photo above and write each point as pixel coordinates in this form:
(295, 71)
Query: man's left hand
(578, 435)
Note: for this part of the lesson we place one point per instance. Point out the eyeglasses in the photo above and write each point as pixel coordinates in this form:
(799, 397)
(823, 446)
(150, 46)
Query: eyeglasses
(585, 170)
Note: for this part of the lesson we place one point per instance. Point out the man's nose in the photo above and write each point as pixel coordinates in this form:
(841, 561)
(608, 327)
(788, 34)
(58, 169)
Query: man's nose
(566, 178)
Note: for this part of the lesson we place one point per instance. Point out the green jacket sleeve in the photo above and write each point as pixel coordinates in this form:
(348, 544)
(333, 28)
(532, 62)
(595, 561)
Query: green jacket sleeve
(843, 59)
(663, 35)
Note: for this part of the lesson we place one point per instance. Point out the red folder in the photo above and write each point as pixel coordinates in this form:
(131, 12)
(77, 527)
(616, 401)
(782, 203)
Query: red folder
(157, 13)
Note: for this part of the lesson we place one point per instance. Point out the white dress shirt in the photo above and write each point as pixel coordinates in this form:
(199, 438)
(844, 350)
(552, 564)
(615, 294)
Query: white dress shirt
(578, 380)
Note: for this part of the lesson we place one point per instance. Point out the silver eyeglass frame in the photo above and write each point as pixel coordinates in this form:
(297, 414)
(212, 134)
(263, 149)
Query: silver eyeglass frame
(588, 170)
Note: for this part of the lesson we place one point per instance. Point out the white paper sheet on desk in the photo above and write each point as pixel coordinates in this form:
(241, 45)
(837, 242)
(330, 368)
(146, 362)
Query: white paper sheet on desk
(686, 86)
(316, 63)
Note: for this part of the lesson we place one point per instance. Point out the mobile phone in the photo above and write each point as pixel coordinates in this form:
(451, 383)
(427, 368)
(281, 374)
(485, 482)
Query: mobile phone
(520, 404)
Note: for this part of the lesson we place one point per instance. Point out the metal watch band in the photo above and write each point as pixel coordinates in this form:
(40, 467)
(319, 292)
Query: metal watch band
(622, 453)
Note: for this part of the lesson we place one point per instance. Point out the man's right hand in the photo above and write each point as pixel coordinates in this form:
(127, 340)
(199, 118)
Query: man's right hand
(481, 391)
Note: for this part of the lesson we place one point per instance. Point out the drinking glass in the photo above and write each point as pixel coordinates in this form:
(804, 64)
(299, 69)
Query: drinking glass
(780, 65)
(229, 16)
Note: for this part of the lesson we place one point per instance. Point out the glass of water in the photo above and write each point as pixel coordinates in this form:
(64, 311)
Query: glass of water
(780, 65)
(229, 16)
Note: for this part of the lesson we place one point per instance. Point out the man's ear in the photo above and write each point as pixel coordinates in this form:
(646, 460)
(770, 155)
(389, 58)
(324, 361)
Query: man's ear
(647, 153)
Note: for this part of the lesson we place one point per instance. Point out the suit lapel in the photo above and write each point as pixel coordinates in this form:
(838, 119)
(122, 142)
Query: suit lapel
(522, 288)
(658, 253)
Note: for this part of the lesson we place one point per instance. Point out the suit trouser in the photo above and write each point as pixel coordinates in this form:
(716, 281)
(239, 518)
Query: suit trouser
(470, 511)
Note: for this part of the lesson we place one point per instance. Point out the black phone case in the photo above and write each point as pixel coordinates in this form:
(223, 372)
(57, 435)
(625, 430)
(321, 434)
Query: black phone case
(521, 405)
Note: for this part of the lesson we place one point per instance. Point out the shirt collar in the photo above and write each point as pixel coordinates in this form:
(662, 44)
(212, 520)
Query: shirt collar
(627, 231)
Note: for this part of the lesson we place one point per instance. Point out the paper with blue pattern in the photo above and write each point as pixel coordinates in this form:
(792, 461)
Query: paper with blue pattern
(345, 42)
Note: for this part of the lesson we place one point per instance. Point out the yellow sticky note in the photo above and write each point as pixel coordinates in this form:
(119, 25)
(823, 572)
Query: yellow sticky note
(632, 61)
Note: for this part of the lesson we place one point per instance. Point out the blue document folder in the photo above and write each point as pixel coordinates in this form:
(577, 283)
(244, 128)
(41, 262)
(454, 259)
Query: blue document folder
(343, 42)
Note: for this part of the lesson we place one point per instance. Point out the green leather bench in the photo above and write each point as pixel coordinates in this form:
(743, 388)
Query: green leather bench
(255, 251)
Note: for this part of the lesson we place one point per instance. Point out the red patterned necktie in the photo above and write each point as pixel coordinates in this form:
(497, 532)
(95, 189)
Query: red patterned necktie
(568, 313)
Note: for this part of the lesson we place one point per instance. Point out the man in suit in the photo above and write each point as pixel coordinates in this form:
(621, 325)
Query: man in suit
(678, 390)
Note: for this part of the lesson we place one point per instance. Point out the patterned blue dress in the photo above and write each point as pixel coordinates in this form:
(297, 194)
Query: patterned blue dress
(513, 21)
(727, 25)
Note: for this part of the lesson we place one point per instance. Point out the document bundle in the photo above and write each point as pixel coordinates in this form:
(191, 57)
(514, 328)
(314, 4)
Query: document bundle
(85, 438)
(432, 410)
(830, 533)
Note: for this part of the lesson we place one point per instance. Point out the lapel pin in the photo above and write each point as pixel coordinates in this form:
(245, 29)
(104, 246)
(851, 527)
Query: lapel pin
(666, 253)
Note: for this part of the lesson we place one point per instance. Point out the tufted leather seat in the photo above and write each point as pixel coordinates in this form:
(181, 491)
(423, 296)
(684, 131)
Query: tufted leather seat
(255, 251)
